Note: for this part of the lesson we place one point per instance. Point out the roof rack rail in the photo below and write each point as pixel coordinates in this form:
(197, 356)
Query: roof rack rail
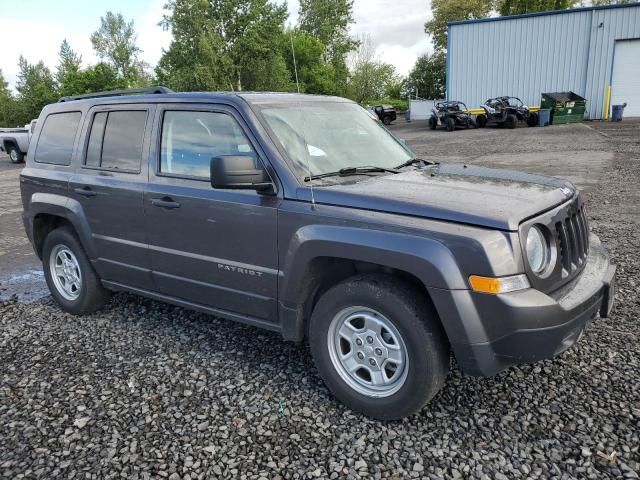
(117, 93)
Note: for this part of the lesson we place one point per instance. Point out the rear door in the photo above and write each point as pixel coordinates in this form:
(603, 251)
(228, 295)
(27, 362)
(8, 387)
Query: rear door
(109, 185)
(211, 247)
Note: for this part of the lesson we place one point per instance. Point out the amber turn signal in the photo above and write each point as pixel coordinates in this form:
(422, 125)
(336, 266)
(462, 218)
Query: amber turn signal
(496, 285)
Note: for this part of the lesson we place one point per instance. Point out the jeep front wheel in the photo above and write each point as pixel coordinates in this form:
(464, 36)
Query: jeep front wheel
(71, 279)
(379, 346)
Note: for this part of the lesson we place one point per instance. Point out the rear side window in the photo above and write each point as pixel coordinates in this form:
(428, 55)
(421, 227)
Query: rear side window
(115, 140)
(55, 144)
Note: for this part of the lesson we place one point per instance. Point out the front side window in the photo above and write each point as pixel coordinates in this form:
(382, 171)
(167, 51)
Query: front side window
(55, 144)
(322, 137)
(191, 139)
(116, 139)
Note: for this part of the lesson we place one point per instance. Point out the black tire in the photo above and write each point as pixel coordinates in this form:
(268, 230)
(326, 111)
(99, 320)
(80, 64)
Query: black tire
(472, 123)
(433, 123)
(451, 124)
(532, 121)
(386, 120)
(92, 295)
(481, 121)
(511, 121)
(416, 320)
(15, 155)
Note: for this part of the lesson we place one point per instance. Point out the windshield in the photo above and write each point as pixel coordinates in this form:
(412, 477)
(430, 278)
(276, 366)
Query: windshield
(323, 137)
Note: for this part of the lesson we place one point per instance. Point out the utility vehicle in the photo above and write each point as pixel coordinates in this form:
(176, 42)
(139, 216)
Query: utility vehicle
(302, 215)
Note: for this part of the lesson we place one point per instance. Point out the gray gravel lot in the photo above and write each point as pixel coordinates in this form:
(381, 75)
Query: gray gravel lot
(147, 390)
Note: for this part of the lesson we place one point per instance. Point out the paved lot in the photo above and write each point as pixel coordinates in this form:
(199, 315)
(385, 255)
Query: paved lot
(145, 390)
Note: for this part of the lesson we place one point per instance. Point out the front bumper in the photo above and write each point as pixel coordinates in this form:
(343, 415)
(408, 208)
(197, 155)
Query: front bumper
(494, 332)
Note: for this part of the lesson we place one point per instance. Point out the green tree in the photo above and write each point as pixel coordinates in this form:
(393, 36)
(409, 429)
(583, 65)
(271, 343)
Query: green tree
(224, 44)
(96, 78)
(328, 22)
(427, 78)
(36, 88)
(517, 7)
(9, 114)
(115, 43)
(68, 62)
(445, 11)
(314, 74)
(369, 78)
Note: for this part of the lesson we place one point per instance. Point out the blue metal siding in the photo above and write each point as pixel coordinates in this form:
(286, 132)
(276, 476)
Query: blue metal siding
(524, 56)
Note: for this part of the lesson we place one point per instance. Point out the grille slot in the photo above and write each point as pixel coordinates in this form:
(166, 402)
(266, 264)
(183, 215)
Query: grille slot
(573, 240)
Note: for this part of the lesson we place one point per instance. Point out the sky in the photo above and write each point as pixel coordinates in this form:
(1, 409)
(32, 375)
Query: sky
(36, 28)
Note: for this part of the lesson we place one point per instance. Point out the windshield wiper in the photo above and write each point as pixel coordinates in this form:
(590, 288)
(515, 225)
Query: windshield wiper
(345, 172)
(413, 161)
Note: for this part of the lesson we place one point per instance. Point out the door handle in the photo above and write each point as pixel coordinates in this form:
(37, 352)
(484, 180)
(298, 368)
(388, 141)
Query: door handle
(85, 192)
(164, 203)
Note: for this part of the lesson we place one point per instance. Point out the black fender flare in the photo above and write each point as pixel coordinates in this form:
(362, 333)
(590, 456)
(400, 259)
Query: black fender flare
(64, 207)
(427, 259)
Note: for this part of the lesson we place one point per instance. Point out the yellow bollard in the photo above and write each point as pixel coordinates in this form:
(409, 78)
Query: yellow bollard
(607, 100)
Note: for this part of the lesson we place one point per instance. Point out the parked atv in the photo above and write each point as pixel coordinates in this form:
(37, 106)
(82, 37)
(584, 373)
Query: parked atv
(450, 114)
(386, 113)
(506, 111)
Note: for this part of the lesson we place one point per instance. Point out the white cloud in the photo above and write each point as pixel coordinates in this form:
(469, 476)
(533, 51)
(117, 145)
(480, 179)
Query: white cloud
(37, 40)
(395, 27)
(152, 39)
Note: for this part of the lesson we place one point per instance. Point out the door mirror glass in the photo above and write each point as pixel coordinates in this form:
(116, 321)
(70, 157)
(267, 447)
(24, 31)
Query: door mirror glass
(239, 172)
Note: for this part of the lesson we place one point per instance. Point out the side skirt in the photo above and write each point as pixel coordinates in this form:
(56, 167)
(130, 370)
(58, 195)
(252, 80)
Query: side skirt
(236, 317)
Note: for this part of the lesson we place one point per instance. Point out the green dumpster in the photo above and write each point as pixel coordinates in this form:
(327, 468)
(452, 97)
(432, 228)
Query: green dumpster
(566, 107)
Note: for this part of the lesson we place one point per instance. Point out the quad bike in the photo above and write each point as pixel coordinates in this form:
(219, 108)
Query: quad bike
(450, 114)
(506, 111)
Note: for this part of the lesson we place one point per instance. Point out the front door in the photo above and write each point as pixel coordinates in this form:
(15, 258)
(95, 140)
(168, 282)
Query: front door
(109, 184)
(215, 248)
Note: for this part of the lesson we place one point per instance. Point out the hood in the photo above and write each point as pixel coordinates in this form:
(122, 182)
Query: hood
(486, 197)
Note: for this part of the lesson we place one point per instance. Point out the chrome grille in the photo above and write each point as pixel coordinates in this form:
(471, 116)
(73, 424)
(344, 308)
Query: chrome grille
(573, 240)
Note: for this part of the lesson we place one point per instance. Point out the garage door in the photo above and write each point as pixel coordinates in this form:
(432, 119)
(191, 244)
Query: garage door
(625, 85)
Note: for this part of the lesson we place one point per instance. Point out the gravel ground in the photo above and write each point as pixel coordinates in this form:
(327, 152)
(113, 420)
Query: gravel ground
(147, 390)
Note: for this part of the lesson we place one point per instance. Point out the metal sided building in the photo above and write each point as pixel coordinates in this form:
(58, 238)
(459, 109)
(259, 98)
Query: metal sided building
(592, 51)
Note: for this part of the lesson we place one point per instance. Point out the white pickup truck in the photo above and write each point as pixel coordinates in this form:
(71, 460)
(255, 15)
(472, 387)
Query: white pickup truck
(15, 141)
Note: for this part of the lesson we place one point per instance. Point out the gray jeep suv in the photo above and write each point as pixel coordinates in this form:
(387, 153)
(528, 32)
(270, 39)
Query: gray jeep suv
(303, 215)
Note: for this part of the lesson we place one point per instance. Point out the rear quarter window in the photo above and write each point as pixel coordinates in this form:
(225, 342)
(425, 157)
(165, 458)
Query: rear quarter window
(57, 138)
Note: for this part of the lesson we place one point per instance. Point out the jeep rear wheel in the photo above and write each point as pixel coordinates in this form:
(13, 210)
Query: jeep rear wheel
(433, 123)
(532, 121)
(481, 121)
(379, 346)
(71, 279)
(15, 155)
(387, 120)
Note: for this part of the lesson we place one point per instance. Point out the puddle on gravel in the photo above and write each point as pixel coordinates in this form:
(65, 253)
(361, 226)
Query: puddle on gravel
(28, 285)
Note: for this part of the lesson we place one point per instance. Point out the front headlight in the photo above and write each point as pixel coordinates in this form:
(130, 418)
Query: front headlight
(537, 247)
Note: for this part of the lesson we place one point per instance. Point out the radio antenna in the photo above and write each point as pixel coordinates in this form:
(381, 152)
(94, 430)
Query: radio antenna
(295, 69)
(295, 65)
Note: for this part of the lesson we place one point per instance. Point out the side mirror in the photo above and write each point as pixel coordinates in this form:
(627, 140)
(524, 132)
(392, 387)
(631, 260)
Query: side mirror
(239, 172)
